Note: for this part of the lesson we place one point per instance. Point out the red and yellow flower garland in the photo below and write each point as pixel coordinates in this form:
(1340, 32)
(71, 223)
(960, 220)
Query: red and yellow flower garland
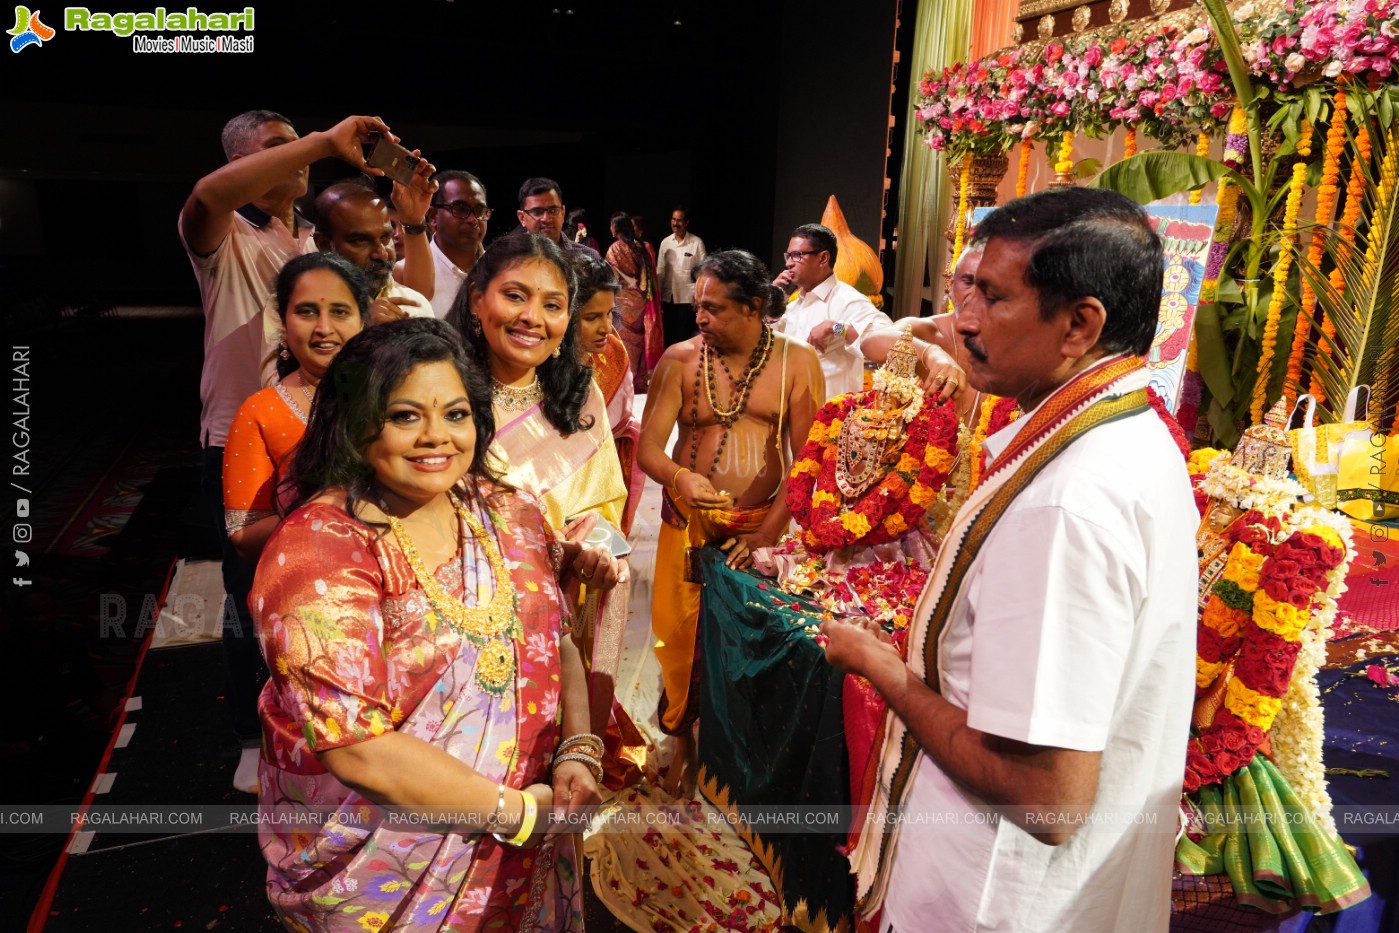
(889, 508)
(1249, 632)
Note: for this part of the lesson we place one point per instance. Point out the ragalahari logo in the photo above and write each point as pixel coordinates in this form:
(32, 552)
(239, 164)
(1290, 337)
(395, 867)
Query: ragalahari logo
(29, 30)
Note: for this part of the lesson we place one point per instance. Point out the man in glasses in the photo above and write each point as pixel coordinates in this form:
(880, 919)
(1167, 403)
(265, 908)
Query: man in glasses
(828, 314)
(458, 218)
(542, 211)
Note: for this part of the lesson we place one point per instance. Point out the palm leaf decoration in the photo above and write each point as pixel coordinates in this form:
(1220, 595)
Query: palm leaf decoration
(1364, 310)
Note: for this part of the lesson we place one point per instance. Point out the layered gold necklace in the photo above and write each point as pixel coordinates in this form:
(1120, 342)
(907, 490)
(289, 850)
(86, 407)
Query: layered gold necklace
(872, 435)
(491, 627)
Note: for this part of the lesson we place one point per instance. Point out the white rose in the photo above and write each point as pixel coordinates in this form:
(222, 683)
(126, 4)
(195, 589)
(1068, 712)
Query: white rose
(1295, 62)
(1333, 68)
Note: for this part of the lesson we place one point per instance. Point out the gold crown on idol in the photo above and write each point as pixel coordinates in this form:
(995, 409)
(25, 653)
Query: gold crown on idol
(897, 379)
(1264, 449)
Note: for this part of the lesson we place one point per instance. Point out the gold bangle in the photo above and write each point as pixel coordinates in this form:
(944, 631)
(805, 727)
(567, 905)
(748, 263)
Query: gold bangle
(527, 818)
(583, 739)
(677, 474)
(588, 761)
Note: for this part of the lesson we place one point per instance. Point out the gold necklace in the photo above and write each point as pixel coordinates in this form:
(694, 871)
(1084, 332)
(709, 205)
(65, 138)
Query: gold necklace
(490, 627)
(516, 398)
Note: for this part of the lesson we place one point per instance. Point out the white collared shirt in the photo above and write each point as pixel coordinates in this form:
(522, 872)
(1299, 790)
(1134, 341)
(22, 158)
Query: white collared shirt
(835, 301)
(447, 279)
(1073, 628)
(675, 268)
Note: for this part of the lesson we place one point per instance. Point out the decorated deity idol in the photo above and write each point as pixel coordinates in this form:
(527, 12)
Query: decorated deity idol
(873, 465)
(1256, 806)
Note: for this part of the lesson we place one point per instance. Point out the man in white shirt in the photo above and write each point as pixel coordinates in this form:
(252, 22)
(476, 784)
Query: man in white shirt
(458, 218)
(675, 269)
(1043, 711)
(828, 314)
(239, 226)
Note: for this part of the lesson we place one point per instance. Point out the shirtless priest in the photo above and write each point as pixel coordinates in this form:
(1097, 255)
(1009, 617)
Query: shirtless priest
(744, 399)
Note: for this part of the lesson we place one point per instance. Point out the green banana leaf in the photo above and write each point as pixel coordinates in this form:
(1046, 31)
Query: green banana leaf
(1151, 176)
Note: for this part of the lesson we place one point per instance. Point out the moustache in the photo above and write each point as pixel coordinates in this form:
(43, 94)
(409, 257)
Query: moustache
(975, 350)
(377, 271)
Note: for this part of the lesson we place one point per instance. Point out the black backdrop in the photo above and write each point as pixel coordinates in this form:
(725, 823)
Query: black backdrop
(749, 112)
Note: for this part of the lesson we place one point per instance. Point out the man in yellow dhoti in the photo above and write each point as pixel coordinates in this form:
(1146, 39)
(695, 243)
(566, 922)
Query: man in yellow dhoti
(725, 480)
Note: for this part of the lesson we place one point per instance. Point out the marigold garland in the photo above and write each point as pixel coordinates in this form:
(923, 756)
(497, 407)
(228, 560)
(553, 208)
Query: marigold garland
(1227, 199)
(1202, 149)
(959, 237)
(1278, 571)
(1350, 216)
(1023, 172)
(1325, 207)
(889, 508)
(1286, 249)
(1064, 163)
(1129, 143)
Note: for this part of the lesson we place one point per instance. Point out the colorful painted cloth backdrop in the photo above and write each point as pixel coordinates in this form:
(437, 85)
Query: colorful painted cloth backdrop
(1185, 231)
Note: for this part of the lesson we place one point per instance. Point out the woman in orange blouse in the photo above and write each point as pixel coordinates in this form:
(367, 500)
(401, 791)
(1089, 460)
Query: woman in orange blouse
(323, 302)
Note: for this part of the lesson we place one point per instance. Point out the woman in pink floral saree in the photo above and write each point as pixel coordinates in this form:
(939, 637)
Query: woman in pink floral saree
(639, 300)
(414, 717)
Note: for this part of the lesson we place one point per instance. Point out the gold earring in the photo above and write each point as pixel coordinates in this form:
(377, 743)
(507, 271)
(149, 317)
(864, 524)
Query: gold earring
(555, 354)
(475, 325)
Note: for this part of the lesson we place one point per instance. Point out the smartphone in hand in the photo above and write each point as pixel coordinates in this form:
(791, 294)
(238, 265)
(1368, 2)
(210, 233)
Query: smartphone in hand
(605, 534)
(398, 163)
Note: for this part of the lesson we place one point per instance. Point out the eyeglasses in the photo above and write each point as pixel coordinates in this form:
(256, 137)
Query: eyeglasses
(796, 255)
(463, 211)
(539, 213)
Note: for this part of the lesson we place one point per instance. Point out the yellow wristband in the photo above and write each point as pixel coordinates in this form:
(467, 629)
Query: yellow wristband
(531, 812)
(677, 474)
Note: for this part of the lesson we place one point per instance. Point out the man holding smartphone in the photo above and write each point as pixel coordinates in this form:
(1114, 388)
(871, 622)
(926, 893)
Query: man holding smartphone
(239, 226)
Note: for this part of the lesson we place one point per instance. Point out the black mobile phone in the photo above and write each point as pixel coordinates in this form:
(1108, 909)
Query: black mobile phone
(398, 163)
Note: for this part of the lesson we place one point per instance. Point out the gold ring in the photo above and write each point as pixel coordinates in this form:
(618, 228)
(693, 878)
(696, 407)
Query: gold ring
(585, 575)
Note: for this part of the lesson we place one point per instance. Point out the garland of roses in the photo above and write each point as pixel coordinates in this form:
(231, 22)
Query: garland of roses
(1253, 621)
(889, 508)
